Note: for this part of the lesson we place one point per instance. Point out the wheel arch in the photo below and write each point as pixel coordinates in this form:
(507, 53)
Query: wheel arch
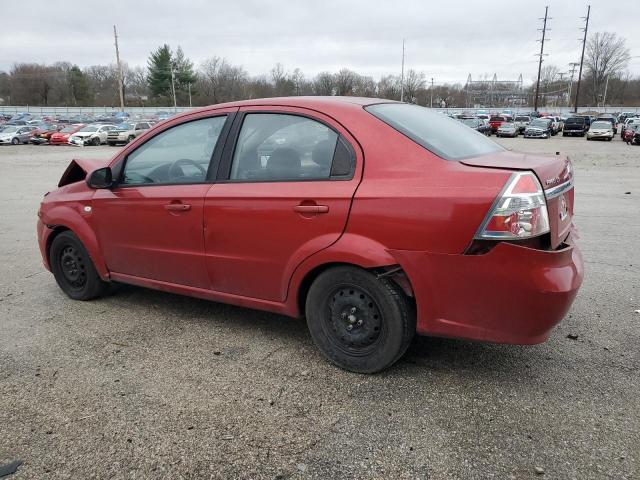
(351, 250)
(66, 219)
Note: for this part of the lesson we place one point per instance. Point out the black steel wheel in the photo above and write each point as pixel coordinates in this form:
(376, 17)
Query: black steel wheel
(359, 322)
(73, 269)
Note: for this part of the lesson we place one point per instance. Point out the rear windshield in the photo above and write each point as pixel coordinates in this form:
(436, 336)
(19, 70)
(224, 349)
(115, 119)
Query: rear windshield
(523, 119)
(498, 119)
(444, 136)
(575, 120)
(600, 124)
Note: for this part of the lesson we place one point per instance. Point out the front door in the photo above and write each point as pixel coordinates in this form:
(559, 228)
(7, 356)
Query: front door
(150, 223)
(283, 193)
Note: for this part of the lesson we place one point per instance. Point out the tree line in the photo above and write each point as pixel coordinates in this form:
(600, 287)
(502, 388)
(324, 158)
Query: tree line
(216, 80)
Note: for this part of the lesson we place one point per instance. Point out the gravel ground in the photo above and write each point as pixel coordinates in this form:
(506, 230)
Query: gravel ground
(144, 384)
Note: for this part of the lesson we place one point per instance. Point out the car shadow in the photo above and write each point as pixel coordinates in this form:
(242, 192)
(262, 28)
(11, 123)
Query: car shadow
(424, 352)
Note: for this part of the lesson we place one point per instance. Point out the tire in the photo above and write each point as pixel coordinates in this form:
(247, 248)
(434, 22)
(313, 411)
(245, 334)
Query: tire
(588, 139)
(15, 141)
(73, 269)
(359, 322)
(96, 141)
(111, 144)
(564, 134)
(130, 139)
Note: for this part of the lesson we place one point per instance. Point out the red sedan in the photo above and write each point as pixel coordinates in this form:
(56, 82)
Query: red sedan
(373, 219)
(62, 137)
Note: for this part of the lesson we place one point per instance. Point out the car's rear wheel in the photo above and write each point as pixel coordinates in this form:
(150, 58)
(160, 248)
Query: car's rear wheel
(360, 322)
(73, 269)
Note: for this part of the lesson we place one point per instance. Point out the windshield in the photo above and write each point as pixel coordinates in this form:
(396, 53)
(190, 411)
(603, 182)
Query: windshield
(539, 122)
(89, 128)
(68, 129)
(600, 125)
(470, 122)
(522, 119)
(439, 134)
(10, 130)
(124, 126)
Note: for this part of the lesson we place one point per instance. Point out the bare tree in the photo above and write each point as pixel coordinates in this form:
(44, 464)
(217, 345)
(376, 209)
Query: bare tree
(324, 84)
(220, 81)
(413, 81)
(389, 87)
(345, 81)
(606, 56)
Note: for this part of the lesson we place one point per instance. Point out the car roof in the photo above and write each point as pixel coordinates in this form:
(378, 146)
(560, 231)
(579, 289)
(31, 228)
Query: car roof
(311, 102)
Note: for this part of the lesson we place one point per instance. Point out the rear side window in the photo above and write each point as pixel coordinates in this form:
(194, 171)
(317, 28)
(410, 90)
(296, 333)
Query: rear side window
(447, 138)
(284, 147)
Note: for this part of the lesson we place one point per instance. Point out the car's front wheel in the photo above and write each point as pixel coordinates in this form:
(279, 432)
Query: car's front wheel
(96, 141)
(73, 269)
(360, 322)
(15, 141)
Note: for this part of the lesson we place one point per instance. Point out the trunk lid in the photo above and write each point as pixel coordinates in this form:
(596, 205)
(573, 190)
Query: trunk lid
(555, 173)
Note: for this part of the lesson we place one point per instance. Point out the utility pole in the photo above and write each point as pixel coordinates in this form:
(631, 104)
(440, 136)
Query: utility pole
(573, 66)
(189, 94)
(561, 75)
(431, 94)
(541, 54)
(606, 86)
(173, 90)
(584, 43)
(402, 75)
(120, 79)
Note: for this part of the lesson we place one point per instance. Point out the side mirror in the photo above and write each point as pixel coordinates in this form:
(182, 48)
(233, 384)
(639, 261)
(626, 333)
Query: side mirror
(101, 178)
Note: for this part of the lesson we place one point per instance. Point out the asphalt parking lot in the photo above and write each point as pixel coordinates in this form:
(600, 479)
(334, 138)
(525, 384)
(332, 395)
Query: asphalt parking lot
(144, 384)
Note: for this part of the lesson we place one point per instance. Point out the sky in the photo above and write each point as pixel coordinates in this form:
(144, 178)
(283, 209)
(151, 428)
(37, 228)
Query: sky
(445, 40)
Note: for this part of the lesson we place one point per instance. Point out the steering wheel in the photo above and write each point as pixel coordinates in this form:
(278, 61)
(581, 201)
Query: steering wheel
(175, 170)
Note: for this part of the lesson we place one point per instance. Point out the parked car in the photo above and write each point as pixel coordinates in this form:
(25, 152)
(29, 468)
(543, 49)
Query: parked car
(539, 128)
(632, 134)
(94, 134)
(576, 125)
(369, 253)
(558, 124)
(62, 137)
(507, 129)
(126, 132)
(478, 125)
(627, 123)
(496, 120)
(15, 134)
(43, 133)
(521, 122)
(609, 118)
(600, 129)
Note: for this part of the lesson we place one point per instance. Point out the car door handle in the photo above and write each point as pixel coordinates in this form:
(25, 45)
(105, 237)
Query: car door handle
(311, 208)
(177, 207)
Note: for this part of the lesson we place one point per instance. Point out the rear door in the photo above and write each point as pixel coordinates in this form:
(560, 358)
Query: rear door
(283, 192)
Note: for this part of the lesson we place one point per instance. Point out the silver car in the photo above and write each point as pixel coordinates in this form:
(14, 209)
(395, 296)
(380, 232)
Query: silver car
(507, 129)
(15, 134)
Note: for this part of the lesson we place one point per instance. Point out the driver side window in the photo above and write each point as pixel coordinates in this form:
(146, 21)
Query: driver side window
(180, 154)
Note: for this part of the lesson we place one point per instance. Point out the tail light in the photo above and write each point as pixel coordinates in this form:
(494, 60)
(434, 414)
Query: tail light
(519, 212)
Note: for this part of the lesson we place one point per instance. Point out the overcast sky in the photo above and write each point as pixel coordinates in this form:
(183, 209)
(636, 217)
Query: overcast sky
(445, 40)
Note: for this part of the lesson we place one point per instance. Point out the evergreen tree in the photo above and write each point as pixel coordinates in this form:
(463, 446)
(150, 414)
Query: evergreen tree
(183, 68)
(159, 66)
(79, 86)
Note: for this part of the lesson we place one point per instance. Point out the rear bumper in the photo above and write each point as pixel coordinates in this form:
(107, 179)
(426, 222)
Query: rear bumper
(511, 294)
